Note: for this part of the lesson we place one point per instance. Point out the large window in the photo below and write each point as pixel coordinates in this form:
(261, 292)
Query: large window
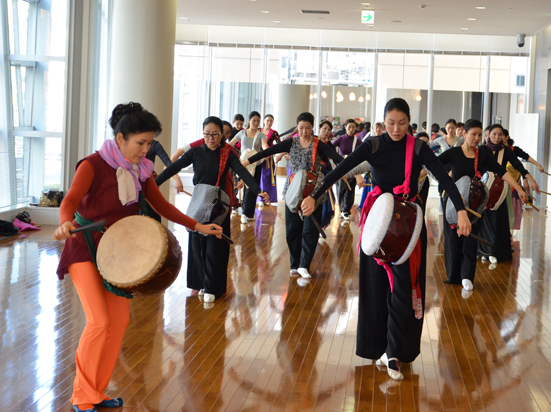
(37, 38)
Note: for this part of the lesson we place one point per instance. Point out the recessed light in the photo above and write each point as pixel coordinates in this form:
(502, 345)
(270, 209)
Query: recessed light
(265, 11)
(366, 4)
(471, 19)
(481, 8)
(184, 18)
(395, 21)
(464, 28)
(276, 21)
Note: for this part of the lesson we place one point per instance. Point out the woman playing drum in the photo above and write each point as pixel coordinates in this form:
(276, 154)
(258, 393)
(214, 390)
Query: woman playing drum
(302, 235)
(208, 257)
(107, 185)
(495, 225)
(390, 323)
(466, 160)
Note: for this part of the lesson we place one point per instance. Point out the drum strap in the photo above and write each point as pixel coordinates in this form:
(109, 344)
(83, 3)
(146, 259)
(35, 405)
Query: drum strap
(476, 171)
(224, 154)
(92, 248)
(415, 258)
(314, 153)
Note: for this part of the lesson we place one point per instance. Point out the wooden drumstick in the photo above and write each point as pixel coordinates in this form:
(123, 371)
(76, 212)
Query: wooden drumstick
(270, 206)
(330, 193)
(225, 237)
(347, 184)
(473, 212)
(187, 193)
(547, 193)
(479, 239)
(99, 223)
(318, 226)
(548, 174)
(530, 204)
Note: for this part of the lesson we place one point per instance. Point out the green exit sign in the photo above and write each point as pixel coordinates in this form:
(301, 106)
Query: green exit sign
(368, 16)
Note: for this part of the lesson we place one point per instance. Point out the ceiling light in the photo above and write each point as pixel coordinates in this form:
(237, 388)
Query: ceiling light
(324, 94)
(395, 21)
(352, 96)
(311, 96)
(464, 28)
(418, 98)
(481, 8)
(315, 95)
(340, 97)
(184, 18)
(361, 99)
(368, 97)
(366, 4)
(276, 21)
(471, 19)
(265, 11)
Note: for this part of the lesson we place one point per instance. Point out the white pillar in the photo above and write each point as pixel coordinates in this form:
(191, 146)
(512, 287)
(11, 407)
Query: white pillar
(142, 61)
(430, 95)
(486, 103)
(374, 90)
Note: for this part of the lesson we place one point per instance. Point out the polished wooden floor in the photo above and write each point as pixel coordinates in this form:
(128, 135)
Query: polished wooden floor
(280, 343)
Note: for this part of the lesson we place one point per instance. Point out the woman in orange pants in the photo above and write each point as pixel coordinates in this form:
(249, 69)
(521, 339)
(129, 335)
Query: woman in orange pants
(110, 184)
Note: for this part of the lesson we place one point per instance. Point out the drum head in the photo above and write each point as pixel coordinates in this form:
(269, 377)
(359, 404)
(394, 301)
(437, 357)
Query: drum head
(464, 186)
(503, 196)
(414, 237)
(377, 223)
(131, 250)
(293, 196)
(488, 179)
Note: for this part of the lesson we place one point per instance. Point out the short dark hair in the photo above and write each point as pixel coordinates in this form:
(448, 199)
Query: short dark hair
(472, 123)
(268, 115)
(397, 104)
(460, 124)
(451, 121)
(132, 118)
(422, 134)
(306, 117)
(496, 126)
(487, 128)
(435, 128)
(225, 123)
(424, 125)
(350, 121)
(414, 125)
(215, 121)
(506, 132)
(238, 117)
(326, 122)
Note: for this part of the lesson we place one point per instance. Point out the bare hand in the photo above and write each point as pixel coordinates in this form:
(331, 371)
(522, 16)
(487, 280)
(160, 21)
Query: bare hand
(463, 224)
(360, 181)
(526, 184)
(278, 157)
(307, 206)
(62, 231)
(264, 197)
(523, 196)
(210, 229)
(540, 168)
(245, 163)
(240, 185)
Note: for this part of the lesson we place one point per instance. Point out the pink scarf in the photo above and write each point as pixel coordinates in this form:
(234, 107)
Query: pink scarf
(415, 259)
(112, 155)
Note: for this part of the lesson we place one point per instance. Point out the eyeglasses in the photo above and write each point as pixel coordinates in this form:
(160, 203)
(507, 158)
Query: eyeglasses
(213, 135)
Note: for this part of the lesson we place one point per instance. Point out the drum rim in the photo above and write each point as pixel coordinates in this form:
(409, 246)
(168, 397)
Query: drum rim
(154, 271)
(415, 235)
(384, 224)
(502, 197)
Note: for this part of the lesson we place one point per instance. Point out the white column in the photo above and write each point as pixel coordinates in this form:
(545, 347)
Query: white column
(486, 103)
(430, 95)
(374, 90)
(319, 100)
(142, 61)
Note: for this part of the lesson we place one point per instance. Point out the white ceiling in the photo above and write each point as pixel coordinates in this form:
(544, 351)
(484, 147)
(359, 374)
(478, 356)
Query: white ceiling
(501, 17)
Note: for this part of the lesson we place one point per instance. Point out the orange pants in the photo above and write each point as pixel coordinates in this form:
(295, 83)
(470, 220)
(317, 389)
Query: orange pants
(106, 321)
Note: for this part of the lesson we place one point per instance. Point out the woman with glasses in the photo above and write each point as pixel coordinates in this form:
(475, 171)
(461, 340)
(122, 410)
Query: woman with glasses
(207, 259)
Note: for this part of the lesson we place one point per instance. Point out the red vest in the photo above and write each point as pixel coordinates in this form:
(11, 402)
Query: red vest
(101, 202)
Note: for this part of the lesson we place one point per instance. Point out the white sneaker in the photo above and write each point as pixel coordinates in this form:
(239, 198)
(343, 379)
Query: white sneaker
(493, 259)
(201, 292)
(302, 282)
(244, 219)
(467, 284)
(208, 297)
(394, 374)
(345, 216)
(304, 273)
(260, 204)
(484, 258)
(293, 272)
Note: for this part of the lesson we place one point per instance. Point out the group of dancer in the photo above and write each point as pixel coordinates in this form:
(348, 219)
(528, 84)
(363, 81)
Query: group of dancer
(116, 182)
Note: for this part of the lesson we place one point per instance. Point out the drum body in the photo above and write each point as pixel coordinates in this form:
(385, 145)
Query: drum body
(392, 229)
(497, 190)
(301, 185)
(475, 196)
(139, 255)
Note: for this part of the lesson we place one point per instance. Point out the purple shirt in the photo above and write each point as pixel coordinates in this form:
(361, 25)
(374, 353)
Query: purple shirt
(344, 143)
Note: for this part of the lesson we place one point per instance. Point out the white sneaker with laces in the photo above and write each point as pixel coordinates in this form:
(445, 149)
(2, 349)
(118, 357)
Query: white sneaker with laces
(208, 297)
(493, 259)
(304, 273)
(201, 292)
(244, 219)
(293, 272)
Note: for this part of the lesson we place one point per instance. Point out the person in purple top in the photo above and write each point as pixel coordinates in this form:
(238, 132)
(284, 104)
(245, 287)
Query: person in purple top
(345, 145)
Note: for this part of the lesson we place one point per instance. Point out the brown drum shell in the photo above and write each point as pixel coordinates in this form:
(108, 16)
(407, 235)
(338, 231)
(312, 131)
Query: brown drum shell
(494, 192)
(309, 186)
(477, 195)
(397, 239)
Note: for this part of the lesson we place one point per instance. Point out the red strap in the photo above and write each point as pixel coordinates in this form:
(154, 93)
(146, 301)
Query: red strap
(476, 172)
(405, 188)
(314, 153)
(224, 154)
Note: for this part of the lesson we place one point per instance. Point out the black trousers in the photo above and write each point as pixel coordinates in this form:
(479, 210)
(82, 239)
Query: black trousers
(249, 197)
(495, 229)
(302, 237)
(207, 265)
(346, 197)
(386, 321)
